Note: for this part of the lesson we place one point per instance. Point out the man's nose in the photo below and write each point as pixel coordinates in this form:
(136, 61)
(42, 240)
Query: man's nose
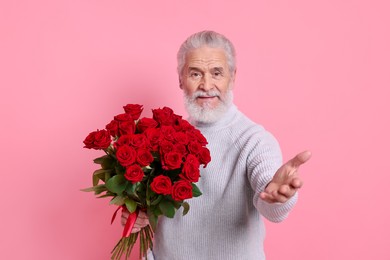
(206, 83)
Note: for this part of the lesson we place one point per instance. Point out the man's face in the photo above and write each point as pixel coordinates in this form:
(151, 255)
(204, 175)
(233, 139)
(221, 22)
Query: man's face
(207, 83)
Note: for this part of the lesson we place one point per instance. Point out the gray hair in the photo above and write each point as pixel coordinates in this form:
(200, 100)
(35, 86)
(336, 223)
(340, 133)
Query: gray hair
(210, 39)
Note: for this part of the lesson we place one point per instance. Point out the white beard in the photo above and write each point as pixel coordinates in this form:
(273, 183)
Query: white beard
(205, 113)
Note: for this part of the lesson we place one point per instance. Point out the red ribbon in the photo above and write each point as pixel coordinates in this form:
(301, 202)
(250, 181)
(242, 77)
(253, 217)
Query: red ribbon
(129, 223)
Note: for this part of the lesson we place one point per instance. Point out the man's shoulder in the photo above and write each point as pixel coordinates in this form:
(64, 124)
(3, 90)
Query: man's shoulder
(245, 124)
(246, 130)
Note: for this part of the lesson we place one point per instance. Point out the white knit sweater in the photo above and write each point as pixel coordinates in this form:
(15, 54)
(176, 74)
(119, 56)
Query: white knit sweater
(225, 223)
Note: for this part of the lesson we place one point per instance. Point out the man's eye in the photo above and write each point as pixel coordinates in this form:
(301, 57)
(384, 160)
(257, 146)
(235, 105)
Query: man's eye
(195, 74)
(217, 74)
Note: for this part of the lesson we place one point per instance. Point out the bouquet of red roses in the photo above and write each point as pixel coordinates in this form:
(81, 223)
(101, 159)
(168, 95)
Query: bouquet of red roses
(150, 165)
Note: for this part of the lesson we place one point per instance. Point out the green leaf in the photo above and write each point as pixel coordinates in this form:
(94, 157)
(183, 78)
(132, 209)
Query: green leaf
(117, 200)
(101, 171)
(195, 191)
(105, 195)
(100, 175)
(107, 176)
(97, 189)
(148, 195)
(141, 189)
(131, 205)
(153, 218)
(157, 200)
(156, 211)
(130, 188)
(120, 170)
(89, 189)
(176, 204)
(100, 189)
(106, 161)
(95, 180)
(116, 184)
(100, 160)
(186, 208)
(167, 208)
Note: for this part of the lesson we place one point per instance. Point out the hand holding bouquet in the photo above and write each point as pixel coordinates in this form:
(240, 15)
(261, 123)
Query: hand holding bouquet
(150, 165)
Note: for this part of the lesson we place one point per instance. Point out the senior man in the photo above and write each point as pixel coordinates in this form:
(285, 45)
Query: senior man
(245, 179)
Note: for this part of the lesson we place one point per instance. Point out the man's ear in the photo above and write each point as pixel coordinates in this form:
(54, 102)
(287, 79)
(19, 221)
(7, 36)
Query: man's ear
(234, 75)
(180, 83)
(233, 78)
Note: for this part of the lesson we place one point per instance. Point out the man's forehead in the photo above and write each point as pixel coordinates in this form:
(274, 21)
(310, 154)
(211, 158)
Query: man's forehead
(210, 64)
(206, 57)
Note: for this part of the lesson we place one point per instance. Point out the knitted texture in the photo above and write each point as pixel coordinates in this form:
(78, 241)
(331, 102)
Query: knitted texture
(225, 222)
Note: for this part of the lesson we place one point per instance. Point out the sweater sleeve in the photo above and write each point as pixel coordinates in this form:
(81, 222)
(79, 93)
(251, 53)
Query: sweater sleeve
(264, 159)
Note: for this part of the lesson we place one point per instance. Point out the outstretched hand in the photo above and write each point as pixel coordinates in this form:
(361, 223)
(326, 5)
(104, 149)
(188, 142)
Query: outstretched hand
(286, 181)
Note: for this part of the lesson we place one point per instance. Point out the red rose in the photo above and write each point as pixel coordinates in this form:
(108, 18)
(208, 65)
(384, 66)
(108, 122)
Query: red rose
(154, 136)
(181, 190)
(134, 173)
(204, 156)
(168, 132)
(102, 139)
(190, 170)
(181, 137)
(192, 136)
(126, 155)
(123, 140)
(192, 159)
(145, 123)
(123, 117)
(180, 148)
(194, 147)
(166, 147)
(183, 125)
(113, 127)
(99, 139)
(161, 185)
(164, 116)
(172, 160)
(89, 140)
(139, 141)
(126, 127)
(199, 137)
(176, 119)
(144, 157)
(134, 110)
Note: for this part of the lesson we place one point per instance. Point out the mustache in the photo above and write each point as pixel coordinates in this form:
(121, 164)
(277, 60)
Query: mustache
(210, 93)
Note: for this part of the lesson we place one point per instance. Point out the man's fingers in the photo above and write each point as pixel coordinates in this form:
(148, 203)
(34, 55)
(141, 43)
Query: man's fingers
(300, 159)
(296, 183)
(289, 190)
(282, 193)
(267, 197)
(141, 221)
(281, 198)
(273, 197)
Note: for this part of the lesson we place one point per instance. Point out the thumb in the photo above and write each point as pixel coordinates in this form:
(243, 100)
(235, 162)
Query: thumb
(300, 159)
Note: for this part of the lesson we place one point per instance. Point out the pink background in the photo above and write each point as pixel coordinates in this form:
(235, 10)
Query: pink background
(315, 73)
